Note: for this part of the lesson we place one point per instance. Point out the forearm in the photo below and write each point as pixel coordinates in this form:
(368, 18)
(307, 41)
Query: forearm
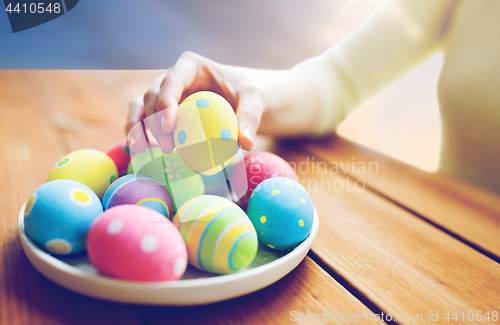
(292, 104)
(396, 38)
(289, 96)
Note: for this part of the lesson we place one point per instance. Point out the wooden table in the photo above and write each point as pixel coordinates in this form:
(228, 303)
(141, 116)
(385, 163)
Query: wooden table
(392, 239)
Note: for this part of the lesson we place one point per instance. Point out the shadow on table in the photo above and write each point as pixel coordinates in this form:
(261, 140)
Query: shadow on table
(270, 305)
(34, 299)
(31, 298)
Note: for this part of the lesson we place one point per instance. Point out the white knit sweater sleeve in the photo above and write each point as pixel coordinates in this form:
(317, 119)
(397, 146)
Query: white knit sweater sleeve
(397, 37)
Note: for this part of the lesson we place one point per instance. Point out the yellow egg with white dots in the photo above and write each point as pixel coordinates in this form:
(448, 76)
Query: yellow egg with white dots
(206, 132)
(89, 167)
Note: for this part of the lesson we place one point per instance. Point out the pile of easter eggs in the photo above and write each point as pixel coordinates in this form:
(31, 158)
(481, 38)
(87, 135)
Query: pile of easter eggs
(146, 216)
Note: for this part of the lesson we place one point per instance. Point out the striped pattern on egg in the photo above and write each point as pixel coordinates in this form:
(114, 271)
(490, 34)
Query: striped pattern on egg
(219, 235)
(139, 190)
(181, 182)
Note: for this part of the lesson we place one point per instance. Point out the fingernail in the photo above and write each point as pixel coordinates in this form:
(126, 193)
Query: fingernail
(163, 149)
(131, 142)
(163, 120)
(248, 134)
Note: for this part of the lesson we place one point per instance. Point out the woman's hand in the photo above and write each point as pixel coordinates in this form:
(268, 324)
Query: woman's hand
(282, 99)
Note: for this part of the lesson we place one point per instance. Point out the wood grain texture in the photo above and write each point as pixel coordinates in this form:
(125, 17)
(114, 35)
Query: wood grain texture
(87, 109)
(467, 211)
(401, 263)
(28, 150)
(383, 252)
(307, 291)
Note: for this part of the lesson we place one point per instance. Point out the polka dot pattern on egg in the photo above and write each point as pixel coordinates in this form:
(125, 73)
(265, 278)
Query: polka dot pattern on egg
(136, 243)
(58, 215)
(64, 161)
(182, 137)
(30, 204)
(206, 132)
(225, 134)
(115, 227)
(260, 166)
(180, 266)
(112, 178)
(202, 103)
(58, 246)
(90, 167)
(80, 197)
(149, 243)
(282, 213)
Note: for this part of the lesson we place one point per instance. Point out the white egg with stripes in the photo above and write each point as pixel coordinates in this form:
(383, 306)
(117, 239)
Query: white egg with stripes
(220, 237)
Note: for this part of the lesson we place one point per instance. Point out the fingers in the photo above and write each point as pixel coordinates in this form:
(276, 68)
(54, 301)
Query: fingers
(152, 119)
(168, 144)
(176, 81)
(135, 134)
(249, 113)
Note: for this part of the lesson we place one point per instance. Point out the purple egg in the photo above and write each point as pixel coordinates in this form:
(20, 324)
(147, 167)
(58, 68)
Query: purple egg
(138, 189)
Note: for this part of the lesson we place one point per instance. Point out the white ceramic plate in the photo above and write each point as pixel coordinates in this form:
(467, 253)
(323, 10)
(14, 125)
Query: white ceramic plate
(196, 287)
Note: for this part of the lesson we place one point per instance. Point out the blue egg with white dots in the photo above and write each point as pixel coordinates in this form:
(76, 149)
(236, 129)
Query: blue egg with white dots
(58, 216)
(203, 103)
(181, 137)
(282, 213)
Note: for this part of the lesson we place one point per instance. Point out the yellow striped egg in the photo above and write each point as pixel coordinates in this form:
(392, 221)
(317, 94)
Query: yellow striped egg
(220, 237)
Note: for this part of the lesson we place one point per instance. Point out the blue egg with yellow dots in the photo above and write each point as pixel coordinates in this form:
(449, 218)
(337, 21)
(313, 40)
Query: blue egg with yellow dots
(282, 213)
(58, 215)
(137, 189)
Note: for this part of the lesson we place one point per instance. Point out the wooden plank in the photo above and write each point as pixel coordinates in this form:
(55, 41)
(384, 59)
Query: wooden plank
(307, 293)
(396, 260)
(74, 95)
(28, 150)
(89, 108)
(465, 210)
(401, 271)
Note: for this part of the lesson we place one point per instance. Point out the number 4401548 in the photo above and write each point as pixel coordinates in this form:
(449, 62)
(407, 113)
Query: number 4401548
(35, 8)
(472, 316)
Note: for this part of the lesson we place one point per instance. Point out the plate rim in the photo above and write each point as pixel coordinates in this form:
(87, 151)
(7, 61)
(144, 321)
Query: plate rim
(100, 279)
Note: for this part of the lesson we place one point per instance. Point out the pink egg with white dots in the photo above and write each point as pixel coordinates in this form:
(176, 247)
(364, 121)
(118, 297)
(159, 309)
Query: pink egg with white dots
(136, 243)
(260, 166)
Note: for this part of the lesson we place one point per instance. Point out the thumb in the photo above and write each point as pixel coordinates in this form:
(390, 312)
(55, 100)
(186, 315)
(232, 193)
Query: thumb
(249, 113)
